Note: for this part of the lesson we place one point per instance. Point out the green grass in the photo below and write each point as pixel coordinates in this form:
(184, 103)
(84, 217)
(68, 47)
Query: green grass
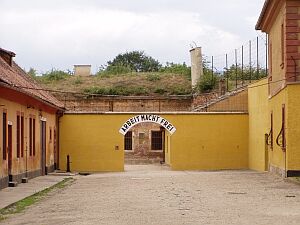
(21, 205)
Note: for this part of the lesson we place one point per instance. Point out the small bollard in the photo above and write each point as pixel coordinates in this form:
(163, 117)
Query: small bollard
(68, 164)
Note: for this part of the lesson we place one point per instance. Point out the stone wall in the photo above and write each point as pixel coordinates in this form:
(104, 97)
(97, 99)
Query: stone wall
(129, 104)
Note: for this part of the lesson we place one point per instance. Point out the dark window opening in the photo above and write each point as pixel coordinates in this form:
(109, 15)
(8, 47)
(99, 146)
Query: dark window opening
(33, 136)
(30, 136)
(50, 135)
(22, 136)
(4, 135)
(156, 140)
(18, 137)
(128, 141)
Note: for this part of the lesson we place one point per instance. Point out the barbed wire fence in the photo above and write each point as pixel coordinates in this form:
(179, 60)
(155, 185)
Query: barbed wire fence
(242, 65)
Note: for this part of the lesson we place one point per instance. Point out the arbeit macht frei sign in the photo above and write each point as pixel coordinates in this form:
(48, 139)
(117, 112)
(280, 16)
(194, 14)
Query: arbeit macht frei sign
(147, 118)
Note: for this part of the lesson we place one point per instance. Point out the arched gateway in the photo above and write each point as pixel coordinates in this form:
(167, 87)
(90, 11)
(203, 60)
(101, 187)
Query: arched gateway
(145, 139)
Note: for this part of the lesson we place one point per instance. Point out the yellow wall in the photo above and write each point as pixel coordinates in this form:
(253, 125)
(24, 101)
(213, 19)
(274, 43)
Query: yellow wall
(259, 124)
(234, 103)
(90, 141)
(293, 123)
(202, 141)
(33, 162)
(209, 141)
(260, 109)
(277, 156)
(278, 71)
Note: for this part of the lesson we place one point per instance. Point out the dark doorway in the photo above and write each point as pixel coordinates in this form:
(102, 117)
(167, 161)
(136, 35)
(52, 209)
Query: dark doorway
(43, 148)
(9, 149)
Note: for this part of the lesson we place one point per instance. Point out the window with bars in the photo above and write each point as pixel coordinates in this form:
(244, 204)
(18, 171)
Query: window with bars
(18, 136)
(4, 135)
(33, 136)
(156, 140)
(128, 141)
(30, 136)
(22, 136)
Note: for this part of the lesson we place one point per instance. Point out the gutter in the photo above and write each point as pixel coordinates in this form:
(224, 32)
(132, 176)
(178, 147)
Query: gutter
(262, 14)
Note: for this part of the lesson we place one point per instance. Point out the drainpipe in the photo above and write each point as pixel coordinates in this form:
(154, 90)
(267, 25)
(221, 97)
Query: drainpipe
(59, 114)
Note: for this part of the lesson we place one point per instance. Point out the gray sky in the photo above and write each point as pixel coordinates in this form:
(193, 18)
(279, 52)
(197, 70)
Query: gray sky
(60, 33)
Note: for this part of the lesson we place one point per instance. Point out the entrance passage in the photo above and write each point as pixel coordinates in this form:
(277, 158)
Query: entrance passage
(144, 144)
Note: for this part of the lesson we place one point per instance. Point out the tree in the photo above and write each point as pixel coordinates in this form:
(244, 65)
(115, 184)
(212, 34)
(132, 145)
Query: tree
(32, 72)
(136, 61)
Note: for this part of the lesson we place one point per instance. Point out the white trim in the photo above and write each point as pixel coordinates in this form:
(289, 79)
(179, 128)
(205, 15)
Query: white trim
(43, 119)
(9, 123)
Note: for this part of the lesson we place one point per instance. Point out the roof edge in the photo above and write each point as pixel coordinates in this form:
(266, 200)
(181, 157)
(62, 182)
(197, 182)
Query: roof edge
(262, 14)
(15, 88)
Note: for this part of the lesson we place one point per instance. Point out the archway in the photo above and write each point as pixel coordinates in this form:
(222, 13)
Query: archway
(145, 138)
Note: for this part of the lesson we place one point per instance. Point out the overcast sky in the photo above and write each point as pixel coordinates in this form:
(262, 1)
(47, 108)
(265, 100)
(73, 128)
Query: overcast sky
(60, 33)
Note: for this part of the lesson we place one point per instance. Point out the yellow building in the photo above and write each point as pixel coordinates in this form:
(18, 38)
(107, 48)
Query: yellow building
(28, 123)
(274, 103)
(264, 139)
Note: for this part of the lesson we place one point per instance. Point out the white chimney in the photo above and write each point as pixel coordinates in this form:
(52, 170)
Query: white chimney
(196, 65)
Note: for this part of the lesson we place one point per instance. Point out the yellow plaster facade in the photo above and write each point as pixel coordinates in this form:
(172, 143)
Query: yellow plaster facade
(34, 161)
(203, 141)
(264, 157)
(258, 124)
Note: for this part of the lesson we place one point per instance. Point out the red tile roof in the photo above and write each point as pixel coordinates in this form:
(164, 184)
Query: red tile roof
(16, 78)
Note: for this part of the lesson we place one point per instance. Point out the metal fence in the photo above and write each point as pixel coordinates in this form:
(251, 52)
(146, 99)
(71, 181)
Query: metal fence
(240, 66)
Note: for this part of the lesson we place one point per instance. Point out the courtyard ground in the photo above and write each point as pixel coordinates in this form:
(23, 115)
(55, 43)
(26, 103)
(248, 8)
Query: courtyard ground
(152, 194)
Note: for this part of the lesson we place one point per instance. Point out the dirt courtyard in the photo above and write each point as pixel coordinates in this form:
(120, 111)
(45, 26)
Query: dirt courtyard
(155, 195)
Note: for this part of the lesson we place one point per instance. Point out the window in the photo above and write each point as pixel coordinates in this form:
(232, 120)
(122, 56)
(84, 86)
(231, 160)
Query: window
(22, 136)
(18, 137)
(4, 135)
(270, 58)
(50, 135)
(33, 136)
(30, 136)
(156, 140)
(128, 141)
(282, 46)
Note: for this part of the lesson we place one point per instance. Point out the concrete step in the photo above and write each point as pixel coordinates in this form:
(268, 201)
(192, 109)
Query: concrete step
(12, 184)
(25, 180)
(142, 161)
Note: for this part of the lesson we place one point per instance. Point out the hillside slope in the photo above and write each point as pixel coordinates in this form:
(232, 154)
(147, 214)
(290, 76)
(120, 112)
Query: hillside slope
(148, 84)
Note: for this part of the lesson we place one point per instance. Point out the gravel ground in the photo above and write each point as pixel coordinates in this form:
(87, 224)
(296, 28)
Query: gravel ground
(155, 195)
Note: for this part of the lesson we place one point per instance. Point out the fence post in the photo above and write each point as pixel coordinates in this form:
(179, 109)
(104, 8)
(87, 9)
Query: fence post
(212, 68)
(250, 61)
(257, 64)
(227, 74)
(242, 65)
(236, 69)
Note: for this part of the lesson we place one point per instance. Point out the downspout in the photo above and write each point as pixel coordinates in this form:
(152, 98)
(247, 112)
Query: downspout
(59, 114)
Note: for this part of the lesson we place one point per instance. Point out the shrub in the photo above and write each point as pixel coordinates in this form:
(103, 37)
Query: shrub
(153, 77)
(160, 91)
(77, 81)
(207, 83)
(118, 90)
(55, 75)
(175, 68)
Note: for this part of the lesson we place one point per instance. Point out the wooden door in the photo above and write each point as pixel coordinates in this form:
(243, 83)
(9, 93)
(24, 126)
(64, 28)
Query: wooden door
(43, 147)
(9, 149)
